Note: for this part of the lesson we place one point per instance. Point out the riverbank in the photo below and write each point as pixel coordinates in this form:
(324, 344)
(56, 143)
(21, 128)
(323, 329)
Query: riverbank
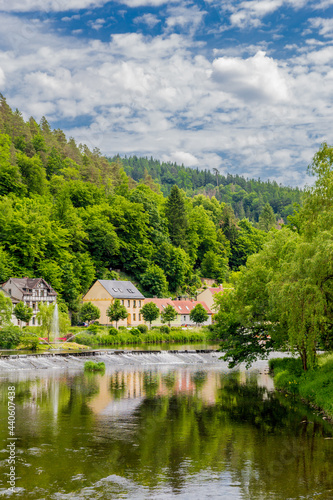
(314, 386)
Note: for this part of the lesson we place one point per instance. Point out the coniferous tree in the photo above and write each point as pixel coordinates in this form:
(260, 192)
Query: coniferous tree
(177, 218)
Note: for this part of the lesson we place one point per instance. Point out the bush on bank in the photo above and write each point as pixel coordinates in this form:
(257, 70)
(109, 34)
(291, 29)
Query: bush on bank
(134, 336)
(315, 386)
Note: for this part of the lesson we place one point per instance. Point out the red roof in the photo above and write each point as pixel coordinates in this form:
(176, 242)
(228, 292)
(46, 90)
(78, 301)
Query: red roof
(181, 306)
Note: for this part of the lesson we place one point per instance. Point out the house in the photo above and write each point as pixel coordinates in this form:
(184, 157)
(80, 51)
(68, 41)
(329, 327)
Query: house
(183, 309)
(103, 293)
(207, 296)
(31, 291)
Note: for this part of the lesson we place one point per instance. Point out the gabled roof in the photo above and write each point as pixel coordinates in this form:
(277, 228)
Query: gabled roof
(161, 303)
(181, 306)
(215, 290)
(30, 284)
(186, 306)
(121, 289)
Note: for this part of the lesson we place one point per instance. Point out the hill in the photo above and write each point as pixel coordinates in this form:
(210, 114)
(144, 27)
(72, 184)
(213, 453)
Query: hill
(71, 215)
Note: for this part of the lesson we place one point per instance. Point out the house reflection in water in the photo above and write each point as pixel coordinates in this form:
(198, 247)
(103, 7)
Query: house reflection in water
(121, 392)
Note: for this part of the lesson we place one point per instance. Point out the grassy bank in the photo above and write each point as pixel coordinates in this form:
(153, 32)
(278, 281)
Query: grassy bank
(315, 386)
(124, 337)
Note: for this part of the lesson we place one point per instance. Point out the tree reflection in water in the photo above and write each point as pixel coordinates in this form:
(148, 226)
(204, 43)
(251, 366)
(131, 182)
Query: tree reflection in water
(164, 428)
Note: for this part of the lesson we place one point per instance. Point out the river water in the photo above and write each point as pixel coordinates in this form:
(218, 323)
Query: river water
(189, 431)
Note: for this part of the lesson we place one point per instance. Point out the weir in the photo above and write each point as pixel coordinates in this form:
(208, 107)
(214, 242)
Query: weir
(111, 358)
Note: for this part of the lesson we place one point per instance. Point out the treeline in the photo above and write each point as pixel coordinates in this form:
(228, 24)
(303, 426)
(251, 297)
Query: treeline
(283, 297)
(71, 216)
(247, 197)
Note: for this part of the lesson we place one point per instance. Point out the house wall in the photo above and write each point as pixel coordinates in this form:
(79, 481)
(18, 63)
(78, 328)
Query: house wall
(101, 298)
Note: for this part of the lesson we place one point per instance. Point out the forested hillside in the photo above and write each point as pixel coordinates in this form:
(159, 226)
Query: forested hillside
(247, 197)
(70, 215)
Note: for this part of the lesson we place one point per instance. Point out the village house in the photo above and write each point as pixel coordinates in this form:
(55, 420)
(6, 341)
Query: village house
(103, 293)
(30, 291)
(207, 296)
(183, 309)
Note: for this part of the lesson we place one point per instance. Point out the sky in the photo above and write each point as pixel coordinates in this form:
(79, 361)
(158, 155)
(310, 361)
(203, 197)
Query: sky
(242, 86)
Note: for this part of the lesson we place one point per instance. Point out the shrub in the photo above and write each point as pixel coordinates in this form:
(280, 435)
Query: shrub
(143, 328)
(135, 331)
(30, 341)
(122, 327)
(113, 330)
(165, 329)
(10, 336)
(93, 328)
(92, 366)
(84, 339)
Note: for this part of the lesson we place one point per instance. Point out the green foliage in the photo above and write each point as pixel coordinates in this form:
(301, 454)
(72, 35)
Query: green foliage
(267, 219)
(10, 337)
(165, 329)
(45, 318)
(92, 366)
(116, 311)
(23, 312)
(176, 214)
(113, 330)
(135, 331)
(143, 328)
(154, 281)
(315, 385)
(150, 312)
(5, 309)
(199, 314)
(89, 312)
(169, 314)
(29, 341)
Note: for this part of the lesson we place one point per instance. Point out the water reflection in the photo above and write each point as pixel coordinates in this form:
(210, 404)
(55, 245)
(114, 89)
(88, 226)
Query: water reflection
(162, 433)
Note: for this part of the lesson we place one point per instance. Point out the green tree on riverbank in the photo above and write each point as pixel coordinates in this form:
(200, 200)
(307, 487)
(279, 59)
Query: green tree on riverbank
(283, 297)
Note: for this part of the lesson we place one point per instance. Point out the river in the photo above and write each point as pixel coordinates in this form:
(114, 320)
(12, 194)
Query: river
(187, 431)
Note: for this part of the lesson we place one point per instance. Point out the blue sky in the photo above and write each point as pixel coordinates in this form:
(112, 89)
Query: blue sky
(242, 86)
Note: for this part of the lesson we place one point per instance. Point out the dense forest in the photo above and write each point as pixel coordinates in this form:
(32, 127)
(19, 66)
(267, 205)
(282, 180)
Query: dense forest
(71, 215)
(246, 197)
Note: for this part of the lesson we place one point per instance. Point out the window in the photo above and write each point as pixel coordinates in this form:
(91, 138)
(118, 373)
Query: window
(133, 317)
(187, 308)
(122, 302)
(180, 307)
(33, 320)
(9, 291)
(184, 318)
(139, 317)
(134, 303)
(139, 303)
(128, 303)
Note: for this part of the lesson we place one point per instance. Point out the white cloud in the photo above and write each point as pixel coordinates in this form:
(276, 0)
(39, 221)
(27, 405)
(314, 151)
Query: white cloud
(2, 78)
(183, 17)
(149, 19)
(48, 5)
(156, 96)
(97, 24)
(256, 78)
(181, 157)
(323, 25)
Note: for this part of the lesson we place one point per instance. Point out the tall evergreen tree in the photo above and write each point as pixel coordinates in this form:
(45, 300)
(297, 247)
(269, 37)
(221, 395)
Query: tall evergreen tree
(177, 218)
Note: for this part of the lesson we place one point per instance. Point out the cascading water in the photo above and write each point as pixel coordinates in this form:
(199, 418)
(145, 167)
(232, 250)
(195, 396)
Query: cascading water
(55, 324)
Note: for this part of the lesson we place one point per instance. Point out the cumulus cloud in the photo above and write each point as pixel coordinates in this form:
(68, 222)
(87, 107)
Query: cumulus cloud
(256, 78)
(157, 96)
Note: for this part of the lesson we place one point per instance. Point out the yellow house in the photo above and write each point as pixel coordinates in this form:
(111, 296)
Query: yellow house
(103, 293)
(207, 296)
